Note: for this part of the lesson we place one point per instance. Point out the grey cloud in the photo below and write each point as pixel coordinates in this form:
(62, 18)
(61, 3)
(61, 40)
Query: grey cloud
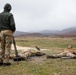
(43, 14)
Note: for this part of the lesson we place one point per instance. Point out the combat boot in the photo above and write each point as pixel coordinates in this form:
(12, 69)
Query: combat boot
(7, 64)
(50, 56)
(1, 62)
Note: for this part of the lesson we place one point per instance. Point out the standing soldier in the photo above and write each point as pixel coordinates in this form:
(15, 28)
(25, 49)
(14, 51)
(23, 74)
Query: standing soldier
(7, 27)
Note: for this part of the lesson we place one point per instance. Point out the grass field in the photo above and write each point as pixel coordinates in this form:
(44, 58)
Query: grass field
(42, 65)
(46, 42)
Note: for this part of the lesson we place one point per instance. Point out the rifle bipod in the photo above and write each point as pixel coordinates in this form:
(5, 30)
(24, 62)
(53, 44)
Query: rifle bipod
(17, 57)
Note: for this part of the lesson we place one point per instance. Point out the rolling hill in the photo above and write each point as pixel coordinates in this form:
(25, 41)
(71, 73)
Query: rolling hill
(69, 31)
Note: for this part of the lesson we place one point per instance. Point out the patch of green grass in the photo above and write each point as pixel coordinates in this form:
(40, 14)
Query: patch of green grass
(47, 67)
(42, 65)
(47, 42)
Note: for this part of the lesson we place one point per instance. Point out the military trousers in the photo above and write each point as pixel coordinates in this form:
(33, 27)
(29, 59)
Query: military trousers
(64, 54)
(5, 45)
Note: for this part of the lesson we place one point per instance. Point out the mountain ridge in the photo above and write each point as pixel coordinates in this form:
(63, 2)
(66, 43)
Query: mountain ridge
(67, 31)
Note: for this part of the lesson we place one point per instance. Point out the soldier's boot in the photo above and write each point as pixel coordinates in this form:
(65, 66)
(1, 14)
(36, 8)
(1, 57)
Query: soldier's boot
(53, 56)
(6, 61)
(50, 56)
(7, 64)
(74, 57)
(1, 62)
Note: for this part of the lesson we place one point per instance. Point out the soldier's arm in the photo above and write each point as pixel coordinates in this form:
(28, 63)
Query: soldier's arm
(12, 23)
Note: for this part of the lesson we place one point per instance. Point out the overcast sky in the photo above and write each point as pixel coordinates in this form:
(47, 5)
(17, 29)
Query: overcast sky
(37, 15)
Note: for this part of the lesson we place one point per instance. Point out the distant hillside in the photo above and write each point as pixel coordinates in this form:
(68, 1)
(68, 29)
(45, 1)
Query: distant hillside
(34, 34)
(49, 32)
(69, 31)
(18, 33)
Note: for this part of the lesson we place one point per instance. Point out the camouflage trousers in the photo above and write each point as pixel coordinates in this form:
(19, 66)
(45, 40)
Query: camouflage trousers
(65, 54)
(5, 46)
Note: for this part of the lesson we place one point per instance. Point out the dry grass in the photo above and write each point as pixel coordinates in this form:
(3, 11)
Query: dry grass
(42, 65)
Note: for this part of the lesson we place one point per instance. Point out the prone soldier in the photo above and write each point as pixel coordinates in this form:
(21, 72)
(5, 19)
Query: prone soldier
(68, 52)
